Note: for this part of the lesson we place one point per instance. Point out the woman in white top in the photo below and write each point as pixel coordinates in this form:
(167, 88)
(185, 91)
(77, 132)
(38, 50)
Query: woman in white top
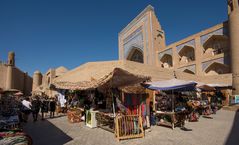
(26, 108)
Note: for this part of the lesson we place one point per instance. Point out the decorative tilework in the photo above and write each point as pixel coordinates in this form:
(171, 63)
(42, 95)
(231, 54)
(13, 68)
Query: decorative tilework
(135, 41)
(168, 51)
(205, 65)
(191, 68)
(189, 43)
(132, 35)
(222, 31)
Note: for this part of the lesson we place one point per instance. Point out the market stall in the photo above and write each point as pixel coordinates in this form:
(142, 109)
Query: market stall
(223, 93)
(167, 113)
(206, 97)
(102, 94)
(10, 128)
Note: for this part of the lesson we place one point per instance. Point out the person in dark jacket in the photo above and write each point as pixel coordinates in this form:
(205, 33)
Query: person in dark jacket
(52, 105)
(44, 107)
(36, 104)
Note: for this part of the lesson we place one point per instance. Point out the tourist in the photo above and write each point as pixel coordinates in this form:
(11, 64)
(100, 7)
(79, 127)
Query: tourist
(44, 107)
(35, 107)
(26, 108)
(52, 106)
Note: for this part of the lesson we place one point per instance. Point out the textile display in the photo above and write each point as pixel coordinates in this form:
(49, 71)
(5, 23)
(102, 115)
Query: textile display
(61, 99)
(16, 138)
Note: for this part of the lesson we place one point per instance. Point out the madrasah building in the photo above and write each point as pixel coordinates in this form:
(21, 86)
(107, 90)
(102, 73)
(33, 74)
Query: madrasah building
(209, 56)
(211, 52)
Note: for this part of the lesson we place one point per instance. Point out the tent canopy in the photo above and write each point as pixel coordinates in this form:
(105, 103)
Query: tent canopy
(173, 84)
(117, 78)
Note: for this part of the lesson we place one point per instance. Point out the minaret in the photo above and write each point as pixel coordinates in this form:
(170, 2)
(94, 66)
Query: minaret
(233, 14)
(10, 65)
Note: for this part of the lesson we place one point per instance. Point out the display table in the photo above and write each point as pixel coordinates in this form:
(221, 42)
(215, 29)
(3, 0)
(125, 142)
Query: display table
(105, 121)
(171, 119)
(91, 119)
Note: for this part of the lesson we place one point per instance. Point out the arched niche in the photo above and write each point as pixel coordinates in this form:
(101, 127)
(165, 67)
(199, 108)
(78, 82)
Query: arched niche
(136, 55)
(216, 44)
(188, 71)
(187, 54)
(216, 68)
(166, 61)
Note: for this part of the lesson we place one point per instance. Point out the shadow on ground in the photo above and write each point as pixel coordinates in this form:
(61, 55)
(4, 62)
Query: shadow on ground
(46, 133)
(233, 138)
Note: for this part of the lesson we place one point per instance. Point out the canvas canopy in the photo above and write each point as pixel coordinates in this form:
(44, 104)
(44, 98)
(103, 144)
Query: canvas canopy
(172, 84)
(117, 78)
(89, 73)
(219, 85)
(135, 89)
(204, 87)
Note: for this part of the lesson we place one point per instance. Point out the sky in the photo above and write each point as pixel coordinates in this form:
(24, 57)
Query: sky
(51, 33)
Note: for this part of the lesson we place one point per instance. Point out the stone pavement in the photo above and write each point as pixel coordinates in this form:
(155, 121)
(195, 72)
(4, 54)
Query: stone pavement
(222, 129)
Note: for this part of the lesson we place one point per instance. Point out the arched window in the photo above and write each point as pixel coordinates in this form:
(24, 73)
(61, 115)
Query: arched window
(49, 80)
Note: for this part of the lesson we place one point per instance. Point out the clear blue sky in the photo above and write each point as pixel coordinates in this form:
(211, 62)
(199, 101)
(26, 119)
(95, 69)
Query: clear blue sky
(52, 33)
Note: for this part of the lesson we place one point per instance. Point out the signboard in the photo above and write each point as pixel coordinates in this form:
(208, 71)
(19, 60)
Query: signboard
(236, 99)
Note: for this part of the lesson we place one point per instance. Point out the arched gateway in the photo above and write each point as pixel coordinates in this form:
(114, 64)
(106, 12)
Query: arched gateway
(136, 55)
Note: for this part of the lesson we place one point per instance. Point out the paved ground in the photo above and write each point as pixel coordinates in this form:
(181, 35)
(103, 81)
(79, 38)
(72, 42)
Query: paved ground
(232, 107)
(223, 129)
